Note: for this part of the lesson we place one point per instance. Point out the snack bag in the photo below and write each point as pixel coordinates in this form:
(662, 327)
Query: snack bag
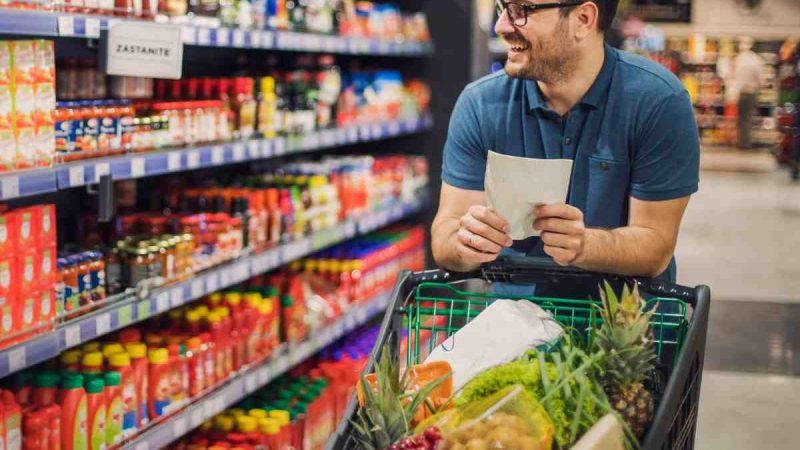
(509, 419)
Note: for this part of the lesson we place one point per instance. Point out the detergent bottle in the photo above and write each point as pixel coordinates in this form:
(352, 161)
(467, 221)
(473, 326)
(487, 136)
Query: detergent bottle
(138, 354)
(121, 362)
(159, 391)
(96, 412)
(114, 408)
(72, 398)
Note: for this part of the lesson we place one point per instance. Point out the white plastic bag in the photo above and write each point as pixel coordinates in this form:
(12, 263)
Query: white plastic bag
(499, 334)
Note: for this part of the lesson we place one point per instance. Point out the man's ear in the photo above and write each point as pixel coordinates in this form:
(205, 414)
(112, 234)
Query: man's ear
(587, 20)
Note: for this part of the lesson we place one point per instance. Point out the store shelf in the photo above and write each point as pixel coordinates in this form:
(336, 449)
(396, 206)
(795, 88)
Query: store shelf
(47, 24)
(136, 308)
(139, 165)
(251, 379)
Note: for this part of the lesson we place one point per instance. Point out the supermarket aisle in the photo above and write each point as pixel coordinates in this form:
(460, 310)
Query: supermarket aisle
(740, 237)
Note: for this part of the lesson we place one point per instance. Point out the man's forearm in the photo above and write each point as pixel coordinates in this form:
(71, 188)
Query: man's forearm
(634, 251)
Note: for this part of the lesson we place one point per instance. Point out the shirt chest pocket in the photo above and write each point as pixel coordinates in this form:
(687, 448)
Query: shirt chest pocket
(607, 193)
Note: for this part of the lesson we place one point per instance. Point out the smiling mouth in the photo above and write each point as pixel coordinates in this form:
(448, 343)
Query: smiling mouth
(517, 47)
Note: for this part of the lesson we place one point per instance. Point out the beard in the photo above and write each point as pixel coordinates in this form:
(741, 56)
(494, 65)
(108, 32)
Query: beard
(550, 60)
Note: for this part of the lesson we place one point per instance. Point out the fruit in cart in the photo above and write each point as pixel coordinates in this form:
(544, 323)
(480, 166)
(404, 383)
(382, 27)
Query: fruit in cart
(627, 355)
(428, 440)
(389, 405)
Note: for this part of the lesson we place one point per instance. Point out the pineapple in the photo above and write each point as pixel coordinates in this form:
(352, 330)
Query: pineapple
(628, 356)
(387, 411)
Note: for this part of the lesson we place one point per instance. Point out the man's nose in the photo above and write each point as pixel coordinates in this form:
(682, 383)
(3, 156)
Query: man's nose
(504, 25)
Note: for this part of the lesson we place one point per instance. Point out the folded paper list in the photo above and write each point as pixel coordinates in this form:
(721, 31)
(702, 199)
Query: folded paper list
(514, 186)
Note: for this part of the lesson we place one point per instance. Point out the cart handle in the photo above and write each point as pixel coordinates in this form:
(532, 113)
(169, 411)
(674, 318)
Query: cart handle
(531, 270)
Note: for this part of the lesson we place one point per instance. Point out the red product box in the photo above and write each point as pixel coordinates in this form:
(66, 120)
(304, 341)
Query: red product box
(8, 276)
(47, 225)
(9, 230)
(29, 220)
(27, 271)
(46, 267)
(7, 317)
(27, 310)
(47, 307)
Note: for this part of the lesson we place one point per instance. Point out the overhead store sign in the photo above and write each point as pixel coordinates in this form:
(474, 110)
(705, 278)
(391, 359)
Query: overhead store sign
(661, 10)
(141, 49)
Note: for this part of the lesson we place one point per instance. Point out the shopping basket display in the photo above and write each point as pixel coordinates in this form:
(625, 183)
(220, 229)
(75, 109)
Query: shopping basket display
(427, 307)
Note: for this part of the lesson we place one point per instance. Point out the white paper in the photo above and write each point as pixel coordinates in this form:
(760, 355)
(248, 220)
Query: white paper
(500, 334)
(515, 186)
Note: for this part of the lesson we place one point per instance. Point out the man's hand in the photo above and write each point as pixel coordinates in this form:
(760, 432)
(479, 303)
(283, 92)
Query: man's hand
(562, 232)
(481, 235)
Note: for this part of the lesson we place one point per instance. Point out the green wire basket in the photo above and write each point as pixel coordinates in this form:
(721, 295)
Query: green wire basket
(441, 309)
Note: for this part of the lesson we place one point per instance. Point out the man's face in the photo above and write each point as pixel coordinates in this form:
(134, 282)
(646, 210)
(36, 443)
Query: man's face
(543, 49)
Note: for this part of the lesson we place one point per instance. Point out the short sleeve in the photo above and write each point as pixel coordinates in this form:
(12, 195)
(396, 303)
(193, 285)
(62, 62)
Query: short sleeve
(464, 160)
(666, 164)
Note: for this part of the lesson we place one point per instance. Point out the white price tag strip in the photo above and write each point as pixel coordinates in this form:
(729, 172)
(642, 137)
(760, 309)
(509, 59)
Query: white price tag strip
(251, 382)
(193, 159)
(253, 149)
(10, 187)
(100, 169)
(188, 34)
(238, 38)
(137, 167)
(266, 39)
(162, 302)
(238, 152)
(352, 134)
(178, 427)
(66, 26)
(92, 28)
(72, 336)
(143, 446)
(17, 359)
(197, 417)
(203, 36)
(198, 288)
(217, 155)
(264, 375)
(76, 176)
(102, 324)
(223, 37)
(173, 161)
(176, 296)
(212, 282)
(208, 408)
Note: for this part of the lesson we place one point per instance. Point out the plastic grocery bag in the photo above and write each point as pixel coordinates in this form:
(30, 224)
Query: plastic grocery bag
(499, 334)
(510, 419)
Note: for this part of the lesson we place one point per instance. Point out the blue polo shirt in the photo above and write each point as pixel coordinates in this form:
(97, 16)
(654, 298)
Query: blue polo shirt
(633, 134)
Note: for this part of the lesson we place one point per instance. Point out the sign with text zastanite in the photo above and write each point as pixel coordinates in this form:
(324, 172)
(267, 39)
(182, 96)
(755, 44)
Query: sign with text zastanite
(141, 49)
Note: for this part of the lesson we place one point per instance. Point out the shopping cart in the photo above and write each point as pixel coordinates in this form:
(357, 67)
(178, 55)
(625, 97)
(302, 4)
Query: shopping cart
(429, 306)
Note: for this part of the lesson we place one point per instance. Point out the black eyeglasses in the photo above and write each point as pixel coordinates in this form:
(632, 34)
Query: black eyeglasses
(518, 11)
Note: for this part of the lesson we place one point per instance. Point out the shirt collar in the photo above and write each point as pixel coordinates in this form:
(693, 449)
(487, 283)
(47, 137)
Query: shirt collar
(595, 94)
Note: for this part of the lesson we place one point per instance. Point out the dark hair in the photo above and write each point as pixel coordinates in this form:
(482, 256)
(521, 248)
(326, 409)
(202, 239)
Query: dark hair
(607, 9)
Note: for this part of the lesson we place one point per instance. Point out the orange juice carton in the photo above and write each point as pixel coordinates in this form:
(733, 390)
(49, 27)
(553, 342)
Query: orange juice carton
(44, 69)
(23, 62)
(5, 62)
(8, 145)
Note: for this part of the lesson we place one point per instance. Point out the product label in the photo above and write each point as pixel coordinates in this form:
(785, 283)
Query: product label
(25, 229)
(129, 405)
(47, 220)
(27, 271)
(114, 421)
(8, 321)
(65, 136)
(98, 433)
(79, 426)
(109, 137)
(3, 230)
(91, 130)
(126, 131)
(13, 432)
(27, 313)
(45, 305)
(47, 266)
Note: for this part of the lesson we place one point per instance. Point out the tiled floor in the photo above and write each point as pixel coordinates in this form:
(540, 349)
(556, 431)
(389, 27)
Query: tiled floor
(741, 236)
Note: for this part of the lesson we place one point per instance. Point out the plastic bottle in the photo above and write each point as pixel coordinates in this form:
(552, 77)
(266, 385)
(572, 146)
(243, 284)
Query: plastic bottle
(92, 363)
(23, 386)
(44, 399)
(111, 349)
(72, 398)
(195, 362)
(130, 336)
(13, 421)
(158, 392)
(96, 413)
(219, 341)
(121, 362)
(114, 407)
(35, 428)
(71, 360)
(284, 422)
(139, 363)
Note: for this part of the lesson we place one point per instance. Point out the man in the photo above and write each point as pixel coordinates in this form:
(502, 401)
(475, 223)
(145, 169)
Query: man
(627, 122)
(747, 81)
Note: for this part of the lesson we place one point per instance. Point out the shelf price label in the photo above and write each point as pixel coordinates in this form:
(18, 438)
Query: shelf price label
(137, 167)
(125, 316)
(102, 324)
(203, 36)
(10, 187)
(72, 336)
(217, 155)
(144, 49)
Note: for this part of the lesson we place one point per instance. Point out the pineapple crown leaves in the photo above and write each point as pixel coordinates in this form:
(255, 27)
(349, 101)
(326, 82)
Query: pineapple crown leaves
(387, 412)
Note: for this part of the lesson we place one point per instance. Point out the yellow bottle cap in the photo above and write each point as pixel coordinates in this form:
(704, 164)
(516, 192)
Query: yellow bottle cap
(93, 359)
(158, 356)
(257, 413)
(202, 311)
(223, 422)
(192, 316)
(91, 347)
(266, 307)
(281, 416)
(246, 424)
(136, 350)
(223, 312)
(267, 85)
(233, 298)
(269, 426)
(213, 317)
(215, 298)
(236, 412)
(110, 349)
(207, 425)
(120, 359)
(71, 357)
